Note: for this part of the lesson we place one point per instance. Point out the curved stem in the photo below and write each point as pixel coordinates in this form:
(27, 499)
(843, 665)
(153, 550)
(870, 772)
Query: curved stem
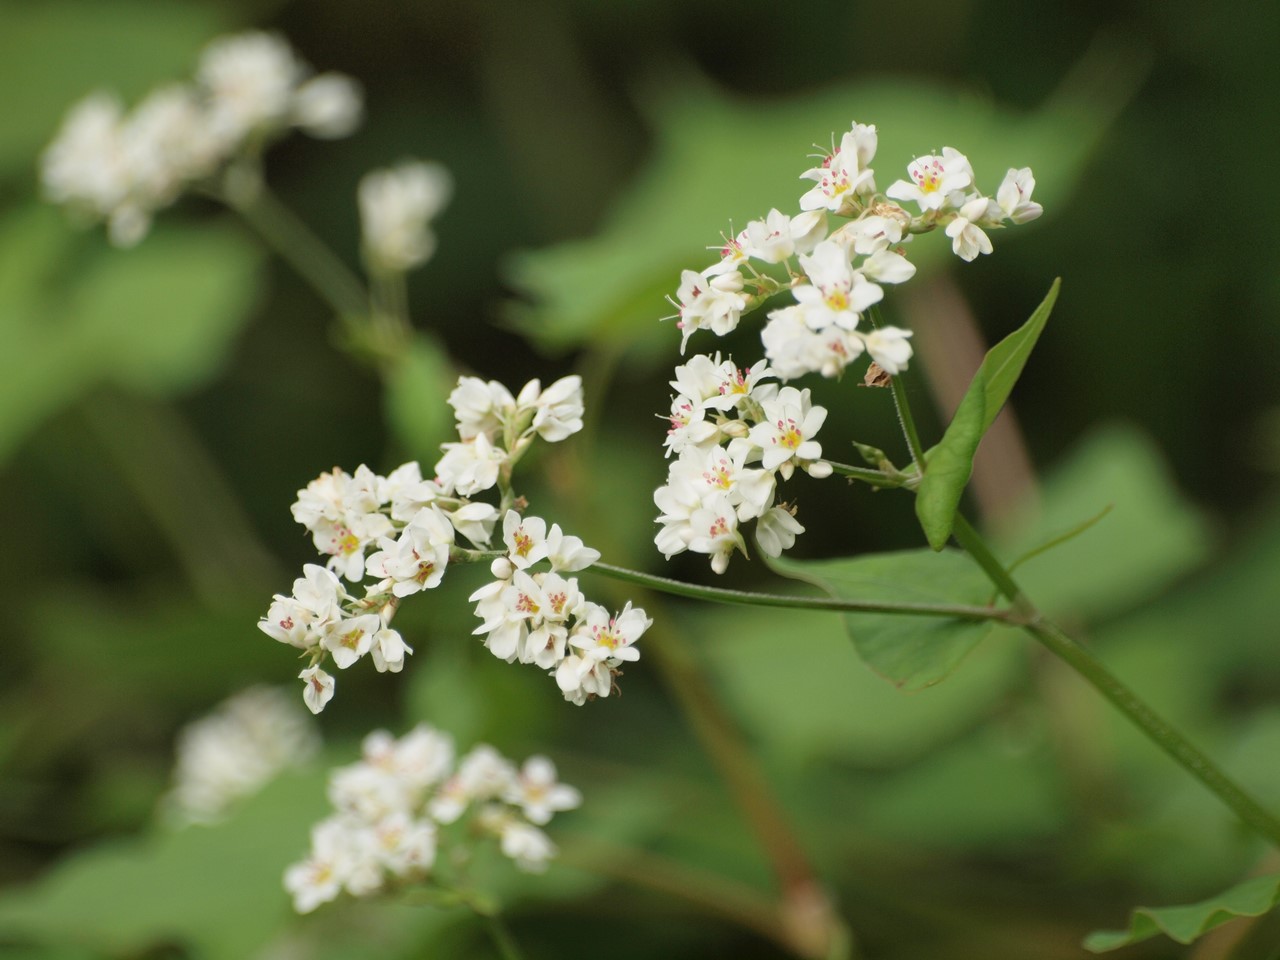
(293, 240)
(1129, 703)
(508, 949)
(748, 598)
(876, 478)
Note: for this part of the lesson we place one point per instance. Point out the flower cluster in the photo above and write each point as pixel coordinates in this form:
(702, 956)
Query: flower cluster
(542, 618)
(403, 530)
(396, 208)
(121, 167)
(734, 435)
(838, 275)
(395, 807)
(235, 751)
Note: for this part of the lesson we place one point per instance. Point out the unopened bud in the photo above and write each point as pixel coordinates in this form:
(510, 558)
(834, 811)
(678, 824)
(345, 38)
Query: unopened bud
(501, 568)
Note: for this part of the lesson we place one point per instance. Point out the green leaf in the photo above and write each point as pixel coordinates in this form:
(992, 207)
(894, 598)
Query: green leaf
(157, 319)
(950, 463)
(1004, 362)
(912, 652)
(1185, 924)
(216, 889)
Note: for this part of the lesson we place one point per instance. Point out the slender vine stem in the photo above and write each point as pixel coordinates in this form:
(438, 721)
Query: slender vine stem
(903, 406)
(749, 598)
(502, 938)
(876, 478)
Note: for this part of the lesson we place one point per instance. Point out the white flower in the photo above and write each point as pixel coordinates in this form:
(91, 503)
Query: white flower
(483, 774)
(388, 651)
(795, 349)
(607, 638)
(808, 229)
(349, 640)
(396, 207)
(568, 554)
(475, 521)
(250, 79)
(559, 409)
(1014, 196)
(786, 435)
(689, 425)
(236, 750)
(298, 619)
(526, 539)
(875, 231)
(328, 106)
(318, 690)
(417, 560)
(714, 472)
(935, 180)
(776, 531)
(845, 175)
(836, 294)
(481, 407)
(967, 237)
(715, 532)
(538, 794)
(469, 467)
(890, 348)
(714, 302)
(678, 501)
(320, 878)
(770, 239)
(888, 267)
(528, 846)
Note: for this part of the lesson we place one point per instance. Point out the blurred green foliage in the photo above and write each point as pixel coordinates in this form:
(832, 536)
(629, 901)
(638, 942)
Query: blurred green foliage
(158, 407)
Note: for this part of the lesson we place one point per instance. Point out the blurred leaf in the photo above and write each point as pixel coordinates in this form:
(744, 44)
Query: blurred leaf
(157, 319)
(951, 461)
(1151, 536)
(417, 391)
(811, 698)
(949, 464)
(216, 889)
(58, 52)
(912, 652)
(610, 289)
(1186, 924)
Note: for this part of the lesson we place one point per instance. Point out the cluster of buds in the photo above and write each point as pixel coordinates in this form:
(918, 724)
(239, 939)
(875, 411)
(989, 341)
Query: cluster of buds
(235, 751)
(121, 167)
(395, 812)
(734, 436)
(836, 276)
(402, 531)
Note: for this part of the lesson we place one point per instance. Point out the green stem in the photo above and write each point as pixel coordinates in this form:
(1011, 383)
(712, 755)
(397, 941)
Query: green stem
(876, 478)
(748, 598)
(903, 406)
(1129, 703)
(293, 240)
(508, 949)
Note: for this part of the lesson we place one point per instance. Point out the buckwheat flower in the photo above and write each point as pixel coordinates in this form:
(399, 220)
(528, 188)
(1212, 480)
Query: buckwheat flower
(603, 637)
(776, 531)
(233, 752)
(568, 554)
(407, 492)
(350, 639)
(525, 537)
(715, 532)
(559, 409)
(316, 602)
(469, 467)
(1014, 196)
(421, 758)
(678, 500)
(689, 425)
(886, 266)
(836, 294)
(417, 560)
(785, 437)
(319, 878)
(475, 521)
(967, 237)
(528, 846)
(538, 795)
(699, 377)
(405, 846)
(84, 165)
(250, 80)
(794, 349)
(715, 303)
(875, 231)
(890, 348)
(482, 775)
(481, 407)
(328, 106)
(808, 229)
(935, 180)
(388, 651)
(715, 472)
(396, 208)
(733, 255)
(548, 633)
(318, 690)
(770, 239)
(844, 176)
(734, 385)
